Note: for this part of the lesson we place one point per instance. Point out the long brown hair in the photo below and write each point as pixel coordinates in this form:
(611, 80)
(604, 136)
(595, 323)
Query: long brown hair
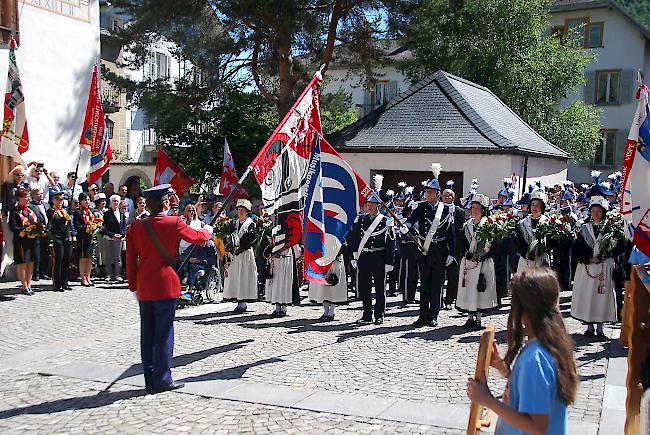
(535, 293)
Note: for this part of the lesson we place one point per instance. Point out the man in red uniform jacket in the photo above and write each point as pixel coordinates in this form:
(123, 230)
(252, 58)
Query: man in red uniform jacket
(157, 285)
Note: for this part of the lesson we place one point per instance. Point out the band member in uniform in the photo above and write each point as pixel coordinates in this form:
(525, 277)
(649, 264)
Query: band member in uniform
(458, 214)
(83, 218)
(436, 234)
(152, 245)
(524, 234)
(408, 266)
(593, 299)
(20, 219)
(477, 286)
(335, 291)
(373, 244)
(60, 237)
(241, 271)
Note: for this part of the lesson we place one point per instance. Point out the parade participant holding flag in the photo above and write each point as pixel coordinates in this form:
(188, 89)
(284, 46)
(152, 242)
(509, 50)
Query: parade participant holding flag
(435, 230)
(373, 246)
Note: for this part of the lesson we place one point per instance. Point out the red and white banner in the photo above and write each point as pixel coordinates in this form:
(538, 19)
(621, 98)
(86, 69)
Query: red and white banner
(229, 175)
(15, 138)
(635, 205)
(94, 136)
(168, 172)
(280, 167)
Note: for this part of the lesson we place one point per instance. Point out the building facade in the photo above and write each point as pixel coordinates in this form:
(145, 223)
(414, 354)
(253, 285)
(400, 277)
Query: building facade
(58, 46)
(622, 47)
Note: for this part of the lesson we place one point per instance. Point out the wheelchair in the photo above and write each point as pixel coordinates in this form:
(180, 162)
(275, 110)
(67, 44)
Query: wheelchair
(207, 289)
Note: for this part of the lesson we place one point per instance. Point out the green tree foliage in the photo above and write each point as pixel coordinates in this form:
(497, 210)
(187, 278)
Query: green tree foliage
(506, 46)
(337, 111)
(277, 43)
(639, 9)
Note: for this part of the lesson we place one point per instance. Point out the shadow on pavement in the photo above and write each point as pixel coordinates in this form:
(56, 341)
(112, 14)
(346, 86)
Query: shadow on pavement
(371, 330)
(231, 372)
(103, 398)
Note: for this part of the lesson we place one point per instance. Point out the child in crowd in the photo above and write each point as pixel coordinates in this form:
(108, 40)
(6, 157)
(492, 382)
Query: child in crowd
(544, 380)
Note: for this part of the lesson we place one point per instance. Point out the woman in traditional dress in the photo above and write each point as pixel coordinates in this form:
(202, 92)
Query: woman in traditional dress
(593, 300)
(241, 273)
(334, 292)
(525, 234)
(21, 218)
(282, 281)
(476, 282)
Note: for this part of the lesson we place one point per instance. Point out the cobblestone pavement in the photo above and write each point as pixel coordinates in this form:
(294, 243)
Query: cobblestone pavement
(98, 328)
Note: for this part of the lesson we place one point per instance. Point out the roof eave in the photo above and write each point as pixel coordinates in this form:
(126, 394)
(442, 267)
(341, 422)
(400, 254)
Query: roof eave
(411, 150)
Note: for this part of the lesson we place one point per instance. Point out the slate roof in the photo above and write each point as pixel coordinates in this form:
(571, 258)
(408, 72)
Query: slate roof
(445, 113)
(578, 5)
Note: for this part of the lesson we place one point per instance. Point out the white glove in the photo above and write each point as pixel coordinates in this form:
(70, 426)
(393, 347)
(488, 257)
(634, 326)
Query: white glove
(403, 230)
(450, 260)
(389, 268)
(353, 263)
(209, 228)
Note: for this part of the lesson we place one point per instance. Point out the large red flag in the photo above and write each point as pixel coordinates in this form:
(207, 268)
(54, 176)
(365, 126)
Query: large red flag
(229, 175)
(280, 167)
(94, 136)
(168, 171)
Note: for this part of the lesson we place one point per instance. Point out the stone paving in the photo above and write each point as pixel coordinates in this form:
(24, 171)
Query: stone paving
(58, 349)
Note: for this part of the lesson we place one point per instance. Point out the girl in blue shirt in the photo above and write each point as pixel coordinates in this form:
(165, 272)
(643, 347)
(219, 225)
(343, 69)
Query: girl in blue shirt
(544, 379)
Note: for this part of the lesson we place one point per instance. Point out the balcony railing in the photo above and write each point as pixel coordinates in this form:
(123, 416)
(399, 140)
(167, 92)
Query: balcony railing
(111, 97)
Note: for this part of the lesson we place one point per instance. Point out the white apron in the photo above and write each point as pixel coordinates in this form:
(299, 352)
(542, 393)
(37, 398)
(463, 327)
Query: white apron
(527, 229)
(241, 281)
(468, 298)
(338, 293)
(594, 299)
(279, 288)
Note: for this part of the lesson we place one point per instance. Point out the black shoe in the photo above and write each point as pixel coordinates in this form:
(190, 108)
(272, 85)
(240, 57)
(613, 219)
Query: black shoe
(169, 387)
(28, 291)
(329, 318)
(379, 321)
(392, 295)
(364, 321)
(324, 318)
(67, 287)
(477, 325)
(601, 335)
(433, 323)
(282, 314)
(238, 310)
(589, 333)
(274, 314)
(36, 278)
(45, 276)
(57, 289)
(419, 323)
(469, 324)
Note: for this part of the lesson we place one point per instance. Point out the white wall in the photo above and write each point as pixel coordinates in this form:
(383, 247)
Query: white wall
(55, 61)
(489, 169)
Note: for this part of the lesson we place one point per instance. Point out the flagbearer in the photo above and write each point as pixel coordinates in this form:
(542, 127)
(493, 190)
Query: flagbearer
(435, 230)
(282, 281)
(241, 272)
(373, 246)
(60, 236)
(152, 244)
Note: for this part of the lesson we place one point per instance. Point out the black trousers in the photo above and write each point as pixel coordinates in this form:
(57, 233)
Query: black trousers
(452, 281)
(393, 276)
(60, 251)
(432, 277)
(408, 277)
(42, 258)
(371, 267)
(562, 265)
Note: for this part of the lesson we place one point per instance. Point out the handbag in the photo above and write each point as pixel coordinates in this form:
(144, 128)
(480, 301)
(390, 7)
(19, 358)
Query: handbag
(481, 286)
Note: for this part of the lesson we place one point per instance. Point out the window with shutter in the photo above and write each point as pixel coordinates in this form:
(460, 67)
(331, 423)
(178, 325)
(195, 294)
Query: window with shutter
(606, 150)
(608, 85)
(590, 87)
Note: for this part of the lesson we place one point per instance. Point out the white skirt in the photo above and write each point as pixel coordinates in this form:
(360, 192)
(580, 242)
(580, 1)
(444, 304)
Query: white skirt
(586, 303)
(524, 264)
(241, 281)
(468, 298)
(279, 287)
(338, 293)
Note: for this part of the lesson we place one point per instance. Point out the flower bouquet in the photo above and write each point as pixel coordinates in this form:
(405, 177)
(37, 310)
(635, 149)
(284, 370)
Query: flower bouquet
(223, 227)
(33, 231)
(556, 228)
(612, 233)
(492, 231)
(263, 229)
(95, 225)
